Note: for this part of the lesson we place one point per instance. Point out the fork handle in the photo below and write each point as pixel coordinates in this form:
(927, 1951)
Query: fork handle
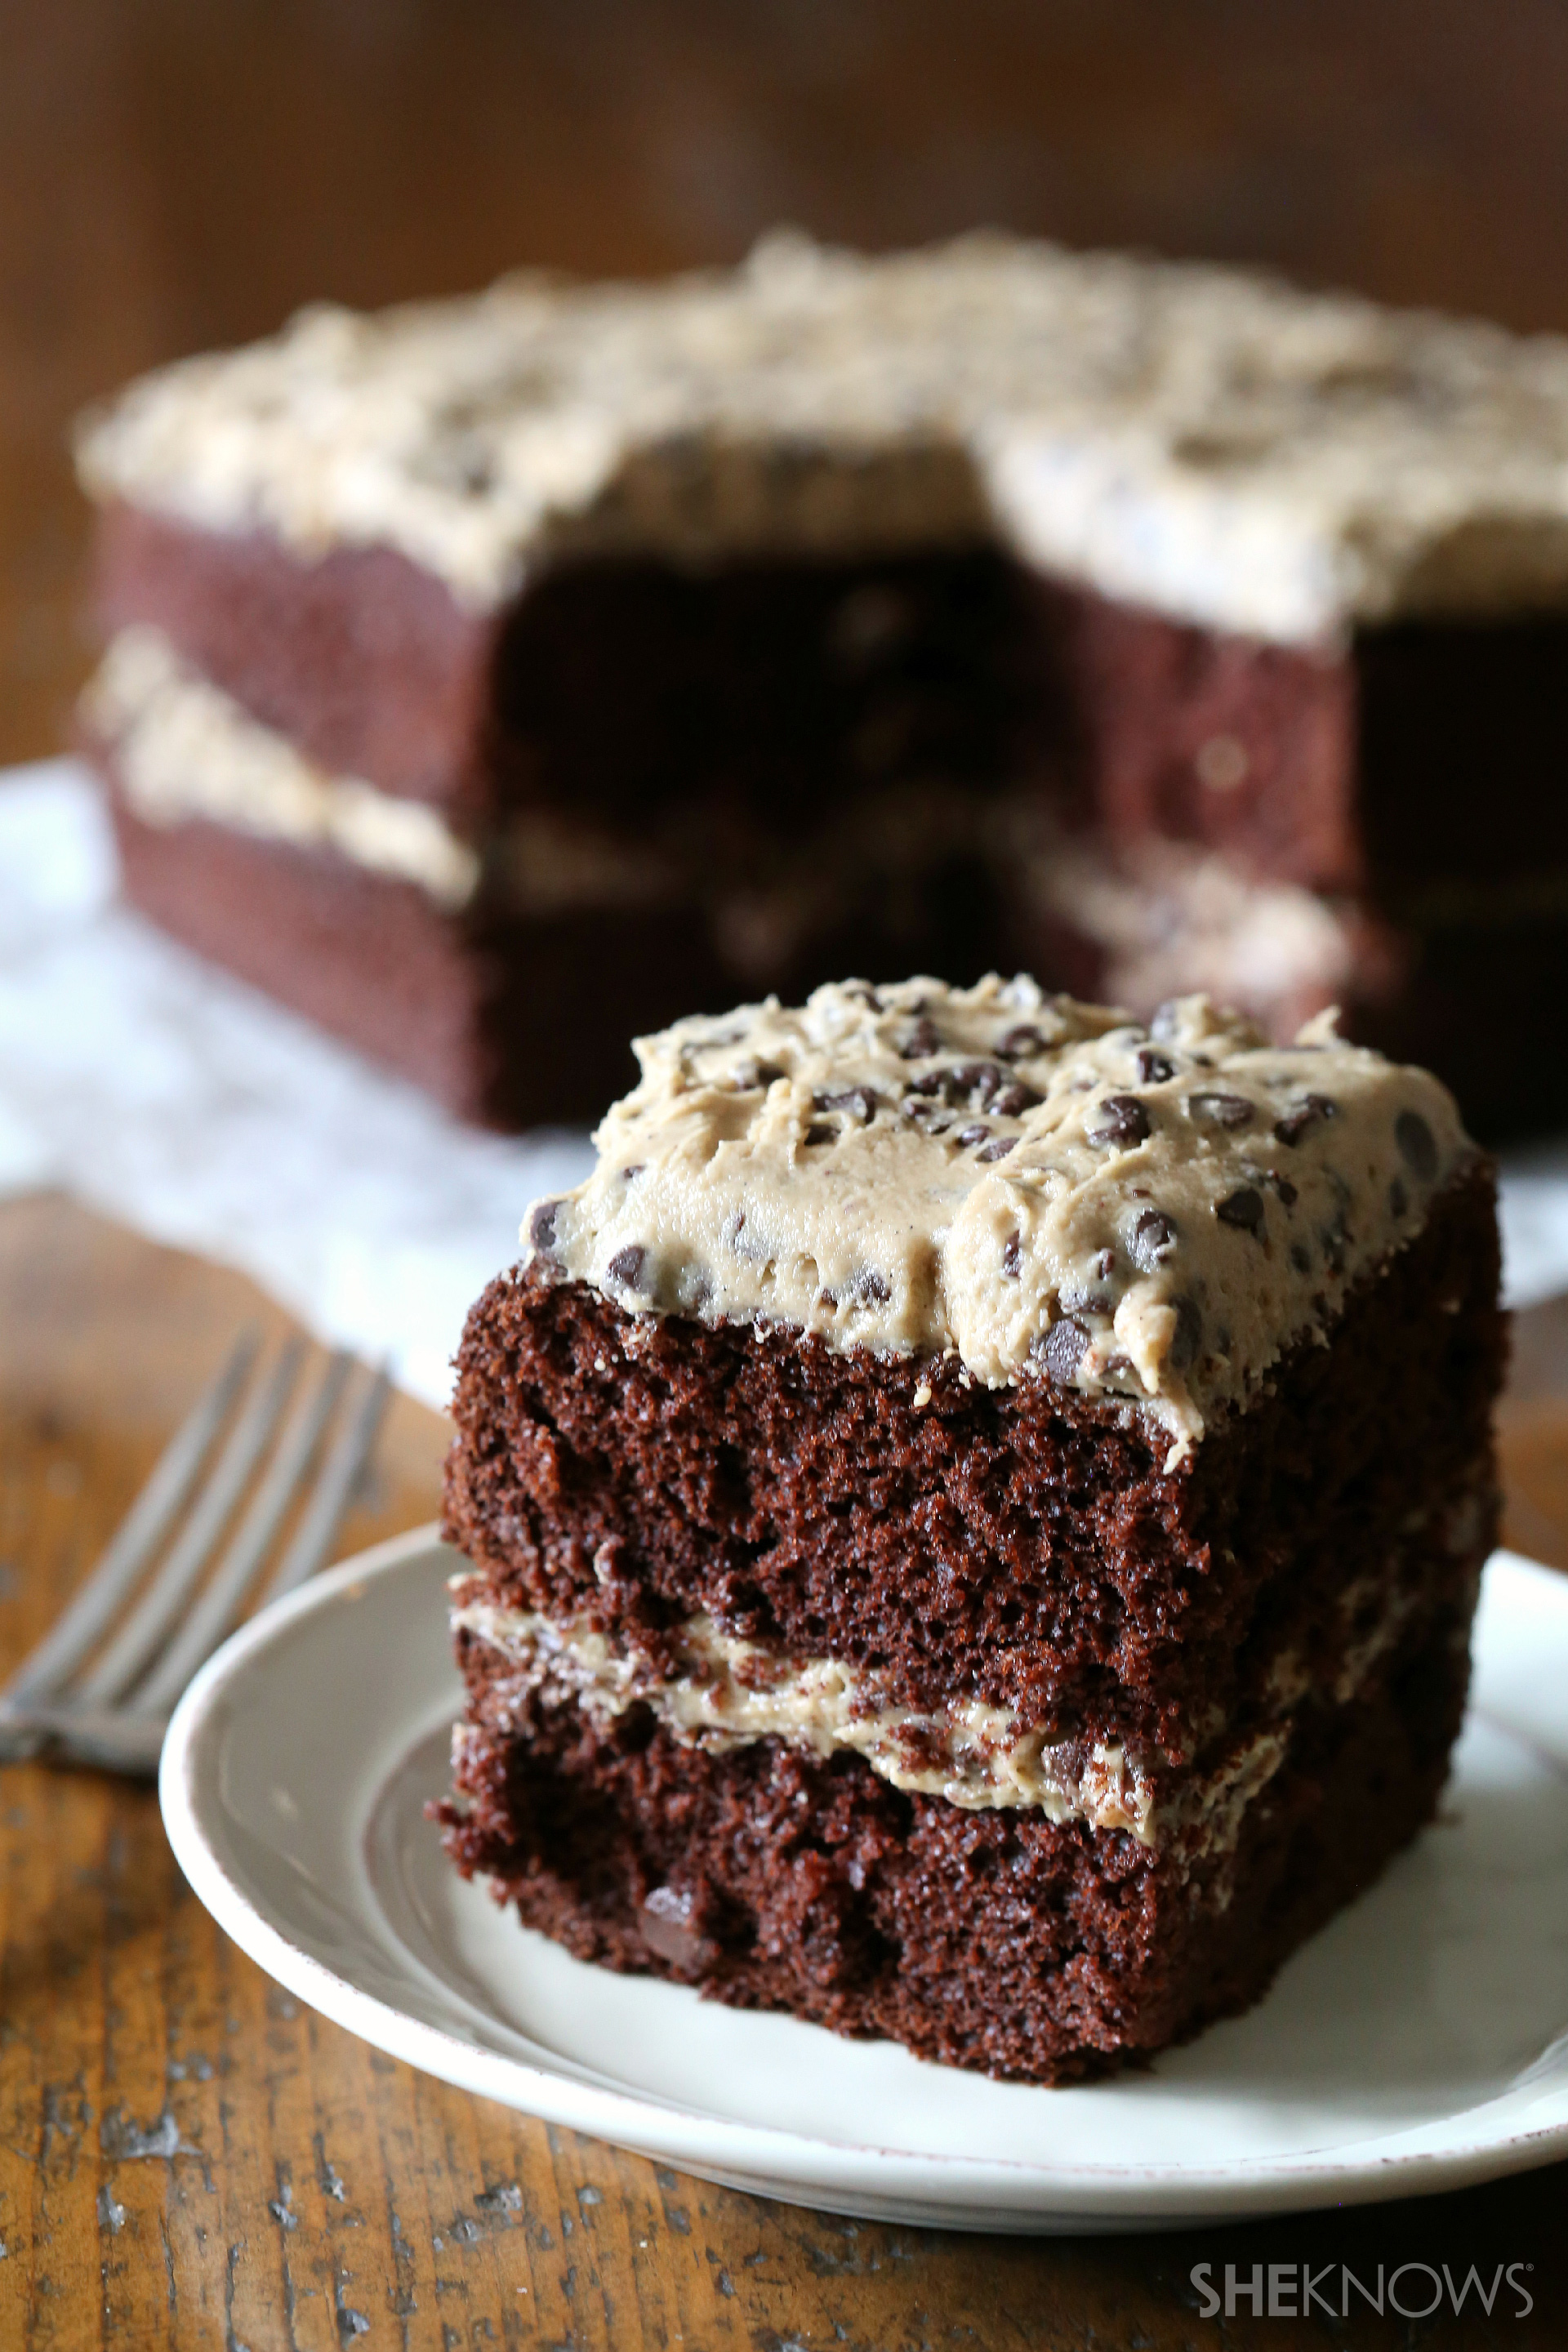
(117, 1743)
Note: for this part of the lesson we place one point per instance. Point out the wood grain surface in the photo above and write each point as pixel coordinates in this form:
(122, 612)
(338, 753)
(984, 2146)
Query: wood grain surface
(189, 2157)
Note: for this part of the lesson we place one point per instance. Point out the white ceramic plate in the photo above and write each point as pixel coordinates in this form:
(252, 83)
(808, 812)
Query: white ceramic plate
(1417, 2043)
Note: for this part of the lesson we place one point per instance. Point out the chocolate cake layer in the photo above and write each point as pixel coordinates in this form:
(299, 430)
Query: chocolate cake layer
(1019, 1545)
(999, 1940)
(501, 1025)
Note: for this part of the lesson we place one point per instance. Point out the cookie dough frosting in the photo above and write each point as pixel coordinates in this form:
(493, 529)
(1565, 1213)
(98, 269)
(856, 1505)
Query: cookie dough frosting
(1206, 442)
(1040, 1188)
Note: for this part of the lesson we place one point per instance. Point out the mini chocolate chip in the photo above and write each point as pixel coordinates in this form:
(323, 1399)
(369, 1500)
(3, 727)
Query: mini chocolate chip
(870, 1286)
(542, 1225)
(1014, 1100)
(1012, 1257)
(1398, 1199)
(1153, 1239)
(627, 1266)
(1117, 1121)
(1164, 1020)
(1062, 1347)
(920, 1041)
(1001, 1147)
(931, 1082)
(1417, 1145)
(828, 1298)
(1218, 1109)
(858, 1101)
(817, 1133)
(1285, 1191)
(864, 994)
(977, 1080)
(1295, 1123)
(1182, 1352)
(1105, 1264)
(634, 1169)
(968, 1135)
(1019, 1042)
(1244, 1209)
(1078, 1301)
(1300, 1258)
(1154, 1069)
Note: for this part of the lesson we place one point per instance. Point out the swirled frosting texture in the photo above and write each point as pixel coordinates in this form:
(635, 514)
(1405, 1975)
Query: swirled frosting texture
(1040, 1188)
(1206, 442)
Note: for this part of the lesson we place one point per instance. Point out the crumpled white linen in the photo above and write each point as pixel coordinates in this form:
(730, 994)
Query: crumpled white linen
(173, 1098)
(164, 1093)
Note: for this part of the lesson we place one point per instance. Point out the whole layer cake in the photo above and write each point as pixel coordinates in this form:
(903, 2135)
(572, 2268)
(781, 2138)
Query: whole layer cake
(491, 678)
(973, 1512)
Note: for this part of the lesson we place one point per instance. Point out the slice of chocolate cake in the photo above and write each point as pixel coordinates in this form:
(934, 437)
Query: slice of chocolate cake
(974, 1511)
(662, 644)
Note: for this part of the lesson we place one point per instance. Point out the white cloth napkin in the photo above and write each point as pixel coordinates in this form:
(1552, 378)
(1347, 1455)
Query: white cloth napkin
(168, 1095)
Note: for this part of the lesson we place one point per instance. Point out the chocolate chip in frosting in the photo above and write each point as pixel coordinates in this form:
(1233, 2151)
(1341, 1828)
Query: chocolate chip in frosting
(1242, 1209)
(1061, 1349)
(1019, 1042)
(1214, 1107)
(1417, 1145)
(917, 1042)
(1182, 1352)
(1153, 1239)
(1000, 1149)
(858, 1101)
(976, 1081)
(872, 1287)
(1013, 1257)
(968, 1135)
(1117, 1123)
(542, 1225)
(1153, 1067)
(1014, 1100)
(747, 1076)
(1308, 1111)
(629, 1266)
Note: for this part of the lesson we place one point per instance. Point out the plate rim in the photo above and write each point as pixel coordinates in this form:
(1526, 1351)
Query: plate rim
(960, 2190)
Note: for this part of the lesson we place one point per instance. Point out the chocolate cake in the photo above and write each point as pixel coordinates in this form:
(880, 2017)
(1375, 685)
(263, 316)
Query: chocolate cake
(1155, 626)
(972, 1515)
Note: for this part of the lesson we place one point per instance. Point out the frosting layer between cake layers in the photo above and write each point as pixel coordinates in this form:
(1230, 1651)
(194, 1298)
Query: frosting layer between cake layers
(1034, 1185)
(1207, 443)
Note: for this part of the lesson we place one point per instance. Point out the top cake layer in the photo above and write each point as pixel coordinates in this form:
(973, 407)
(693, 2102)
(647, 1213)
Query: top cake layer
(1038, 1186)
(1205, 442)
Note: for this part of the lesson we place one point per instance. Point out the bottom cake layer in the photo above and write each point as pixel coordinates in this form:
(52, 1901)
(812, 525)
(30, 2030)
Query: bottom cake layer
(995, 1939)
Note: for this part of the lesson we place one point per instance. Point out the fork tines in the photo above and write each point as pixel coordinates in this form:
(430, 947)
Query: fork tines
(101, 1686)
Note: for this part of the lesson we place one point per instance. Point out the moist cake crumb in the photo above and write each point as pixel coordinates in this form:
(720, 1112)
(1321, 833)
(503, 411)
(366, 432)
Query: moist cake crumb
(987, 1694)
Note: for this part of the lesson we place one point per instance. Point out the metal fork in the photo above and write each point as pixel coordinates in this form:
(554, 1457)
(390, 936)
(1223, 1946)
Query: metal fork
(113, 1710)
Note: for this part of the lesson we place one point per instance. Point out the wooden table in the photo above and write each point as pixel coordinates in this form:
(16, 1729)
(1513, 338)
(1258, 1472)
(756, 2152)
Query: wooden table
(189, 2157)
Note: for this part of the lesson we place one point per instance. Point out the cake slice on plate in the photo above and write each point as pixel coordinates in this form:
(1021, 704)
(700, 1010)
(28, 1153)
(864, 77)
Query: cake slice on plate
(974, 1514)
